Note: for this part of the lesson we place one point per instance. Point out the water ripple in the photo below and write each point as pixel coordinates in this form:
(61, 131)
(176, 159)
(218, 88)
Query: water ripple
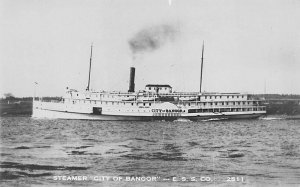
(263, 151)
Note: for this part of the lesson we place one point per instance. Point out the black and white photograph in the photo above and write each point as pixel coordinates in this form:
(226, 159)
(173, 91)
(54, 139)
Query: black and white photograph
(150, 93)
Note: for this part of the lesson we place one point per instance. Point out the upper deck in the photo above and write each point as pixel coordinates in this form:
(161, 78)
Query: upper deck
(153, 96)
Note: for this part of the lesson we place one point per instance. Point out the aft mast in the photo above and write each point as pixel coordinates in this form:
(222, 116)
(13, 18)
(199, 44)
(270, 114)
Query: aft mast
(88, 87)
(201, 67)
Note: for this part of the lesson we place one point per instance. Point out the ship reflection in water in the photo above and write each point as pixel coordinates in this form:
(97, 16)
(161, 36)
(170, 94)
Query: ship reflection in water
(261, 152)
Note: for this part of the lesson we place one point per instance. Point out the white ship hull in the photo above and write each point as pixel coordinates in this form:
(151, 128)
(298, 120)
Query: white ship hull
(52, 113)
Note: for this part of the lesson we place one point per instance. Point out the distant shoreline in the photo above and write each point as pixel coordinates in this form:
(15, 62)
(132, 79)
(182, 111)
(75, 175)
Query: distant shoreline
(275, 104)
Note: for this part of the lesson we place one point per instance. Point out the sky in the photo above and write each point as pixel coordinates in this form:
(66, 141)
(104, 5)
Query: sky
(250, 46)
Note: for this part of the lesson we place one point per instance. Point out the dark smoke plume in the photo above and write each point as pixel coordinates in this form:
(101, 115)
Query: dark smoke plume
(152, 38)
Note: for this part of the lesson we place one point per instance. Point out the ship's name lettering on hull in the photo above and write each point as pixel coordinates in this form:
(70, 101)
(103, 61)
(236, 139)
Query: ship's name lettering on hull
(166, 110)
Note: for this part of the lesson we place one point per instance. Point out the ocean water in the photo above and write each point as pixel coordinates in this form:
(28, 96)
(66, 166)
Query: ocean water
(40, 152)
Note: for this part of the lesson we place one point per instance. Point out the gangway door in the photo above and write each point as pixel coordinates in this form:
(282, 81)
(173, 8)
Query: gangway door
(97, 110)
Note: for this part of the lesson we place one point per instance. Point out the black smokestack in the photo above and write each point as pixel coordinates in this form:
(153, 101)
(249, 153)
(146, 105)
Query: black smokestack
(131, 81)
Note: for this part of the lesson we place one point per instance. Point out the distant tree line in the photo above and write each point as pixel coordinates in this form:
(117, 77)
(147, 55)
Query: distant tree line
(279, 96)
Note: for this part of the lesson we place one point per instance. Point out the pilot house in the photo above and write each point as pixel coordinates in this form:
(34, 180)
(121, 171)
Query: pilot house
(159, 88)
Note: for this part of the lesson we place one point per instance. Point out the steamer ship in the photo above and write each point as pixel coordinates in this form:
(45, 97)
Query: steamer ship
(155, 102)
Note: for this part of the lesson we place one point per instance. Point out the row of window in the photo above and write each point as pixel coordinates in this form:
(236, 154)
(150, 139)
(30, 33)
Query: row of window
(195, 110)
(149, 104)
(154, 88)
(166, 114)
(220, 103)
(109, 102)
(108, 96)
(225, 110)
(153, 110)
(228, 96)
(206, 97)
(119, 110)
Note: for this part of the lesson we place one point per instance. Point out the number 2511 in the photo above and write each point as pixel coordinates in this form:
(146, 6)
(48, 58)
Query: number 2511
(235, 179)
